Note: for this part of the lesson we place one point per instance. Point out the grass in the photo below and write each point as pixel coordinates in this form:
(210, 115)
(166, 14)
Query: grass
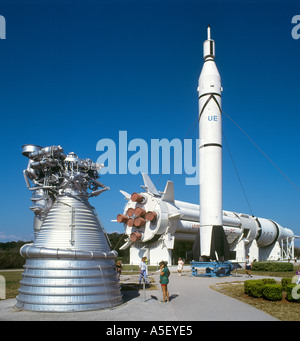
(12, 279)
(129, 269)
(282, 310)
(273, 274)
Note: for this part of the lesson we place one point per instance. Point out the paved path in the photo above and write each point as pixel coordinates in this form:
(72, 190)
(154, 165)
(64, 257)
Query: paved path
(191, 299)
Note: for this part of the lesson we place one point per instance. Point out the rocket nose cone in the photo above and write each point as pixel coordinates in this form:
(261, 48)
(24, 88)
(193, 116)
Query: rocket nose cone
(208, 32)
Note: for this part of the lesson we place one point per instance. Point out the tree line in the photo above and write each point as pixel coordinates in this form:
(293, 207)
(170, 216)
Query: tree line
(10, 257)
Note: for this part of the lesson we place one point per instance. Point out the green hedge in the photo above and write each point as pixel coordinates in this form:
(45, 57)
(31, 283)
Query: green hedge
(268, 289)
(253, 287)
(289, 289)
(268, 281)
(285, 281)
(272, 292)
(272, 266)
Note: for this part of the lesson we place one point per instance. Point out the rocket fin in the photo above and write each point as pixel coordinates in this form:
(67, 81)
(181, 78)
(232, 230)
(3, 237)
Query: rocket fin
(169, 192)
(219, 245)
(149, 184)
(195, 253)
(126, 195)
(126, 245)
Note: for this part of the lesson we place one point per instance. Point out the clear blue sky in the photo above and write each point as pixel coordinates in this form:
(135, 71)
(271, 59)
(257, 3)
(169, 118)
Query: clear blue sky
(75, 72)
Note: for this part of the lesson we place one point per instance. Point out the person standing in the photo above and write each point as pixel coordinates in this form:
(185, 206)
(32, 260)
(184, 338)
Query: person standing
(143, 271)
(180, 266)
(248, 266)
(164, 280)
(119, 269)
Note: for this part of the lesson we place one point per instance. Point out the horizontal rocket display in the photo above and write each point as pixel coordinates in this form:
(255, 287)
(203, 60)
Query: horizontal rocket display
(151, 218)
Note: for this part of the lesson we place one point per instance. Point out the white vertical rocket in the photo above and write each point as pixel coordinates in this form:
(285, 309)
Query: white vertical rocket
(153, 220)
(212, 238)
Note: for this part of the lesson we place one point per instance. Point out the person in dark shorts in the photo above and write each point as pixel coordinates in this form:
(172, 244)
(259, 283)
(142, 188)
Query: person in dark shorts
(248, 266)
(119, 268)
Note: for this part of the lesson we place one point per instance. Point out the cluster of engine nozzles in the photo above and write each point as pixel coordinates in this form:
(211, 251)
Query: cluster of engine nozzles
(136, 216)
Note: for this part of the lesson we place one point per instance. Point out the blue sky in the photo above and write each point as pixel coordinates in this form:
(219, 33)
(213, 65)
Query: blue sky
(75, 72)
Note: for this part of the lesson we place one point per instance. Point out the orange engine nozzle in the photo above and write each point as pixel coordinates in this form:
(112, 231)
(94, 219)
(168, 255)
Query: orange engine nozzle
(130, 212)
(151, 216)
(139, 222)
(136, 197)
(121, 218)
(140, 212)
(135, 236)
(130, 222)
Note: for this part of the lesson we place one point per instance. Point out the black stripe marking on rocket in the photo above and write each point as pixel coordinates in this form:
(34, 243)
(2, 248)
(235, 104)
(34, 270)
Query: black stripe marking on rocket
(211, 48)
(211, 145)
(210, 93)
(212, 96)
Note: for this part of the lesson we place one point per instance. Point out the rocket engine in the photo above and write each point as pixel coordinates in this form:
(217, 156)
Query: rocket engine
(70, 266)
(154, 220)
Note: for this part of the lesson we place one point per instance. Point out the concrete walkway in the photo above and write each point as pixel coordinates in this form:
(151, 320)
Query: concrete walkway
(194, 300)
(191, 299)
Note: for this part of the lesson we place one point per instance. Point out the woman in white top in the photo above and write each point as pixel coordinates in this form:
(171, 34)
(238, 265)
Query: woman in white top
(180, 266)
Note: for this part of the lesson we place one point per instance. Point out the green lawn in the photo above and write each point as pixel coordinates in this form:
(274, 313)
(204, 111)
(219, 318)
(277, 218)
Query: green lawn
(282, 310)
(12, 279)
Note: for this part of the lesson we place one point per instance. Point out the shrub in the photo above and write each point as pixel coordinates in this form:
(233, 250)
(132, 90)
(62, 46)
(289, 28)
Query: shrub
(246, 286)
(285, 282)
(253, 288)
(289, 296)
(272, 292)
(256, 289)
(268, 281)
(272, 266)
(266, 288)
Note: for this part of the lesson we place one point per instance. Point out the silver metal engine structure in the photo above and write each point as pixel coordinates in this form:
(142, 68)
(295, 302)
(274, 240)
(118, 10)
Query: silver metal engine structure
(70, 266)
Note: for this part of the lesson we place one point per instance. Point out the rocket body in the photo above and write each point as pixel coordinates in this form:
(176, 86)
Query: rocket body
(154, 220)
(210, 153)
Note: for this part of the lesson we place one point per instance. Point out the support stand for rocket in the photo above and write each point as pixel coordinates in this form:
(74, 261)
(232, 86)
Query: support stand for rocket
(212, 269)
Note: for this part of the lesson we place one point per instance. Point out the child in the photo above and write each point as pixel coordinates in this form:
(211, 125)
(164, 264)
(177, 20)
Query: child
(180, 266)
(119, 268)
(248, 266)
